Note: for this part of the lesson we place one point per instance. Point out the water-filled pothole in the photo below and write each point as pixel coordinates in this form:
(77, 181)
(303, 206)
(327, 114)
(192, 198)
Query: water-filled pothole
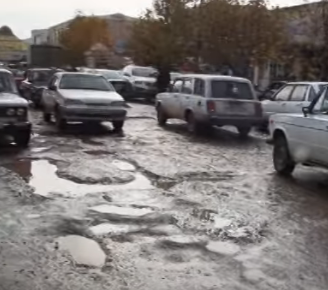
(42, 176)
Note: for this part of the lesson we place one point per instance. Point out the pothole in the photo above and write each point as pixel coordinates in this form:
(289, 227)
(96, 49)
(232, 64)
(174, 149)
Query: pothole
(42, 176)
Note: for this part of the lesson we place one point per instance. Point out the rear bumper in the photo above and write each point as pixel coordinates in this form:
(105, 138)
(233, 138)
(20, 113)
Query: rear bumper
(13, 128)
(101, 115)
(233, 121)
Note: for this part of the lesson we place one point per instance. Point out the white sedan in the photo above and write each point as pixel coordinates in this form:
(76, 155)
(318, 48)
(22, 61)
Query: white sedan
(82, 97)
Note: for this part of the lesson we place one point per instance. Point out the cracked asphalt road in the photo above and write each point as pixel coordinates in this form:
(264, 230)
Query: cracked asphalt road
(167, 210)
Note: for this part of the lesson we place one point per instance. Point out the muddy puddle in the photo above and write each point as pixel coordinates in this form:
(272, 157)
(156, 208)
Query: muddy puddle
(42, 176)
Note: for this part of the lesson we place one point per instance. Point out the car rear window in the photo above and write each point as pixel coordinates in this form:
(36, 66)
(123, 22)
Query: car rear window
(231, 90)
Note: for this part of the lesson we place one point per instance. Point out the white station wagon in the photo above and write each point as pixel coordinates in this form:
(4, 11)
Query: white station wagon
(210, 100)
(82, 97)
(301, 138)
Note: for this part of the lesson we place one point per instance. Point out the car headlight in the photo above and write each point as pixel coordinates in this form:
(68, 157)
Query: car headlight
(11, 112)
(20, 112)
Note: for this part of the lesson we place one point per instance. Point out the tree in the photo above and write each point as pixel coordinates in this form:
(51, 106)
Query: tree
(82, 33)
(159, 37)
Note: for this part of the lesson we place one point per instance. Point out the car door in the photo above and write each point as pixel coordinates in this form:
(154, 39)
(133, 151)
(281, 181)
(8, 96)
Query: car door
(318, 122)
(298, 99)
(279, 102)
(186, 98)
(199, 100)
(172, 103)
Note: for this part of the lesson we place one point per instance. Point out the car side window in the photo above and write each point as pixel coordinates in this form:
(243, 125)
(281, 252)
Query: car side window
(299, 93)
(187, 86)
(284, 93)
(177, 86)
(312, 94)
(324, 105)
(199, 88)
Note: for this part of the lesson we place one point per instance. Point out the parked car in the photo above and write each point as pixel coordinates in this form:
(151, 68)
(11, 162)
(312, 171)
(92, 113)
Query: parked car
(36, 80)
(121, 83)
(13, 111)
(210, 100)
(143, 80)
(301, 138)
(270, 90)
(82, 97)
(291, 98)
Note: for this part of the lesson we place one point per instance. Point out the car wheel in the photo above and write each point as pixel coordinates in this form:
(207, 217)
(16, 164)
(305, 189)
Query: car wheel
(59, 120)
(282, 161)
(22, 138)
(118, 125)
(192, 125)
(244, 131)
(46, 117)
(161, 116)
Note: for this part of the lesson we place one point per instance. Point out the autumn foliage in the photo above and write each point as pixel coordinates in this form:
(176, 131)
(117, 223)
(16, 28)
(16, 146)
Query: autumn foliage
(82, 33)
(214, 31)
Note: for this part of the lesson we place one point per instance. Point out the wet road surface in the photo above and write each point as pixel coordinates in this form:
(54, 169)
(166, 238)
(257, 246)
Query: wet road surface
(154, 208)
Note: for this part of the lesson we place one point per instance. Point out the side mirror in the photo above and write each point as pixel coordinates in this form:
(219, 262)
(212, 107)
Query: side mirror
(126, 74)
(306, 111)
(52, 88)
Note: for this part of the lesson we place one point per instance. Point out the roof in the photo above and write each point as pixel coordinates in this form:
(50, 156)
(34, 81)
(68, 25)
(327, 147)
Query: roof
(215, 77)
(307, 83)
(62, 73)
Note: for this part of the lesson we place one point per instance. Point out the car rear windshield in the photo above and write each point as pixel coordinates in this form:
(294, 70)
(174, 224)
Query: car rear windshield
(231, 90)
(7, 83)
(85, 82)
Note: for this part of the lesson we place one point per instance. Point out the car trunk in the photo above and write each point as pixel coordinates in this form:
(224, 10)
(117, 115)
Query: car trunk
(233, 99)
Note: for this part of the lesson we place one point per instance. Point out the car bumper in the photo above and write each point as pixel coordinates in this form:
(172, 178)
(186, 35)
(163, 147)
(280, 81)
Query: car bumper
(12, 128)
(233, 121)
(78, 114)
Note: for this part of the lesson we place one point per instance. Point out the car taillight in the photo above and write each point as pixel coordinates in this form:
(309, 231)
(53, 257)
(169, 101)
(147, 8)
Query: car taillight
(258, 109)
(210, 106)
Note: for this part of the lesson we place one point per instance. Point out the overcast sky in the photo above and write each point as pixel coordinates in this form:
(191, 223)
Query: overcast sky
(23, 16)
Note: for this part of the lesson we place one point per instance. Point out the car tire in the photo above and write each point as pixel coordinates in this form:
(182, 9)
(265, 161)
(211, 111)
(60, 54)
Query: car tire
(192, 125)
(118, 125)
(282, 161)
(244, 131)
(161, 116)
(46, 117)
(59, 120)
(22, 138)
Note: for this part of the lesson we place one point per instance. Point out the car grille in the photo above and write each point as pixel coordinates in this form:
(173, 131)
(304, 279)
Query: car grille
(3, 113)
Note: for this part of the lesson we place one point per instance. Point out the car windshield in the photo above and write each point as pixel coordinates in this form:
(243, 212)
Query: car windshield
(110, 74)
(84, 82)
(42, 76)
(231, 90)
(146, 72)
(7, 83)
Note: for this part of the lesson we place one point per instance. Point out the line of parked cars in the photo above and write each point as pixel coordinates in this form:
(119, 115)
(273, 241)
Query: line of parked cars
(296, 114)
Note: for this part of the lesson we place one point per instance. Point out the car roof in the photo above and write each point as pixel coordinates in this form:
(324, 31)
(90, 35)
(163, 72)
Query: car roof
(74, 73)
(215, 77)
(307, 83)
